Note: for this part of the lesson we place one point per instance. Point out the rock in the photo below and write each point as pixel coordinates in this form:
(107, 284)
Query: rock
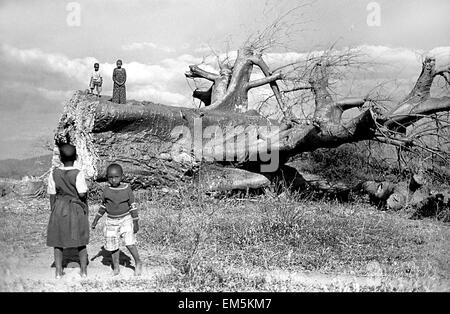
(5, 188)
(411, 196)
(25, 187)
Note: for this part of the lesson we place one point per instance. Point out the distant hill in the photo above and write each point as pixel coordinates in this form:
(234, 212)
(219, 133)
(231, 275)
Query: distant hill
(19, 168)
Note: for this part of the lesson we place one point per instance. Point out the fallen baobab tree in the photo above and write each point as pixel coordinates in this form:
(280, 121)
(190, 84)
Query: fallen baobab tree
(225, 146)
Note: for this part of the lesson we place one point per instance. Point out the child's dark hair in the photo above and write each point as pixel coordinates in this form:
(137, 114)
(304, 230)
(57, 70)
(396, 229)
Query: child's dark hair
(114, 166)
(67, 152)
(96, 63)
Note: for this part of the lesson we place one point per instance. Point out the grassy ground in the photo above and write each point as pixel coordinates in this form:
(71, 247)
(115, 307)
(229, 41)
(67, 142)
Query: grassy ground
(195, 242)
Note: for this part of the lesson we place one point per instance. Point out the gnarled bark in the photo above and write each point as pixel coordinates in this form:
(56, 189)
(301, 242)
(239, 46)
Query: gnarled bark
(229, 89)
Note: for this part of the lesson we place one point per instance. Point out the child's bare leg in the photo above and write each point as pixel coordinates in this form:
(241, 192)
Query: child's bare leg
(137, 260)
(115, 259)
(82, 254)
(58, 254)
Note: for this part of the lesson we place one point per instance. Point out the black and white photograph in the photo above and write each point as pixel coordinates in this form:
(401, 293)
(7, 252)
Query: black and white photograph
(225, 146)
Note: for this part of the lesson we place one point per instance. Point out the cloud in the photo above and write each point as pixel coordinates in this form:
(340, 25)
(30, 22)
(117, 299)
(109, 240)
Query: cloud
(163, 82)
(203, 48)
(147, 45)
(48, 63)
(147, 92)
(55, 95)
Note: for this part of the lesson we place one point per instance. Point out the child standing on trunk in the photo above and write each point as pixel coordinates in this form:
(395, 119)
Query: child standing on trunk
(96, 80)
(68, 226)
(122, 218)
(119, 78)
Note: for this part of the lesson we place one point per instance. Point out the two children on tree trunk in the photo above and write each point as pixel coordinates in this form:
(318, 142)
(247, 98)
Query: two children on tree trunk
(119, 78)
(68, 225)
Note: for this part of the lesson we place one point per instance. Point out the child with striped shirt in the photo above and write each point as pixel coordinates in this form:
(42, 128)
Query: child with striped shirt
(122, 218)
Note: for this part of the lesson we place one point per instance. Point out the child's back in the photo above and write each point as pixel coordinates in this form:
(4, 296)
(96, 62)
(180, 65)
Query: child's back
(69, 224)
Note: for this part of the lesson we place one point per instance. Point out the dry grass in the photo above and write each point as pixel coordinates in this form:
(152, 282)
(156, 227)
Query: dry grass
(212, 239)
(259, 244)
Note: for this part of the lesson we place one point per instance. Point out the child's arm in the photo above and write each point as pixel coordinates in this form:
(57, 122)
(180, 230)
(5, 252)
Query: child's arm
(133, 210)
(114, 77)
(52, 201)
(101, 211)
(51, 190)
(124, 77)
(97, 218)
(81, 186)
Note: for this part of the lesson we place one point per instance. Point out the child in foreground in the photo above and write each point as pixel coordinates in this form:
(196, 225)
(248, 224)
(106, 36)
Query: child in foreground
(69, 219)
(122, 218)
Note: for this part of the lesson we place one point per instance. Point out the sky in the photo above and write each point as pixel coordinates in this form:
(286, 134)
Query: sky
(48, 48)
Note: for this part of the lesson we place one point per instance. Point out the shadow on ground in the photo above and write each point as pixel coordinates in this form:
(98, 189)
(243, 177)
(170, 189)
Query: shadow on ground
(72, 260)
(124, 259)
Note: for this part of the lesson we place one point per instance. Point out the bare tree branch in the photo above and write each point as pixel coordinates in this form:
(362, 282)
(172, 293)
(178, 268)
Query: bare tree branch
(196, 72)
(263, 81)
(257, 60)
(349, 103)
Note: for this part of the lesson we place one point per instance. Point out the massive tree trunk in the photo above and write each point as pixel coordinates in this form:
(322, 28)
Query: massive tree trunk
(223, 145)
(419, 102)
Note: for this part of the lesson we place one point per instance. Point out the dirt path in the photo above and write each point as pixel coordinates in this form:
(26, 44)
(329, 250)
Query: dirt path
(324, 282)
(34, 273)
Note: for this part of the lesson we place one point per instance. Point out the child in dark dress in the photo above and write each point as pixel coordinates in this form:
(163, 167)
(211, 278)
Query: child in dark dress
(119, 78)
(122, 218)
(68, 226)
